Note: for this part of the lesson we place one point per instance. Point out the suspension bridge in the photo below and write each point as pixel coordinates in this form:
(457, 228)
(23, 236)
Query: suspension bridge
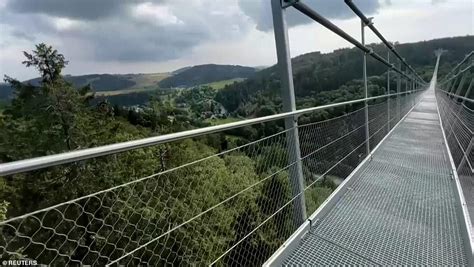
(404, 160)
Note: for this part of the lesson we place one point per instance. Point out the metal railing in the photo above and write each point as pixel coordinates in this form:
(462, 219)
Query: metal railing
(455, 99)
(369, 23)
(230, 207)
(452, 73)
(146, 219)
(456, 107)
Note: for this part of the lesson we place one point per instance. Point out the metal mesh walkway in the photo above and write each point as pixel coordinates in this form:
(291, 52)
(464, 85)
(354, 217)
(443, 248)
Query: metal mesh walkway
(401, 208)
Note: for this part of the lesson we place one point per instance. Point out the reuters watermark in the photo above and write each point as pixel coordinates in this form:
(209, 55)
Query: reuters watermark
(19, 263)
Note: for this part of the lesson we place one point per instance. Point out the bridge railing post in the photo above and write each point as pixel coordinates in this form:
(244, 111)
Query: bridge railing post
(407, 95)
(452, 85)
(366, 94)
(466, 95)
(471, 143)
(291, 123)
(461, 83)
(399, 86)
(388, 93)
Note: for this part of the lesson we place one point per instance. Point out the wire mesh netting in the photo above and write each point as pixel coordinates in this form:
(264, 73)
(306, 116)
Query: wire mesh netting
(457, 115)
(400, 209)
(454, 97)
(234, 207)
(458, 122)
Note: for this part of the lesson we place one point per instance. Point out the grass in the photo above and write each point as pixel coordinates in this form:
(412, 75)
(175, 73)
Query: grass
(126, 91)
(221, 84)
(147, 80)
(149, 83)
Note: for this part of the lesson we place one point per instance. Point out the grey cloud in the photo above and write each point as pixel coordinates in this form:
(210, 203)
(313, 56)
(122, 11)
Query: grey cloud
(76, 9)
(109, 30)
(22, 35)
(260, 11)
(142, 42)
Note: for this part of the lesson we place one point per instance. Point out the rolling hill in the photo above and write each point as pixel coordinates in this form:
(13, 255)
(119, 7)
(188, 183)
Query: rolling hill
(316, 75)
(204, 74)
(113, 85)
(320, 78)
(104, 84)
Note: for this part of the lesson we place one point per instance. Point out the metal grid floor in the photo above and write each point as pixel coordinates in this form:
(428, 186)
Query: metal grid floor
(401, 208)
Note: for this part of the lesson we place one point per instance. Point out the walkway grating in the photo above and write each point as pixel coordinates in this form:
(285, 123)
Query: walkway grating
(401, 208)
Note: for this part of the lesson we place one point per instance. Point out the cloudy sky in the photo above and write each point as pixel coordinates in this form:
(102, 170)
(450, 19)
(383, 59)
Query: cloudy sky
(143, 36)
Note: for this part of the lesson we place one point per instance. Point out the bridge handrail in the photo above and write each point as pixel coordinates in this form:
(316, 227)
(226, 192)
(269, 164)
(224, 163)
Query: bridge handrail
(457, 96)
(457, 74)
(370, 24)
(455, 113)
(78, 155)
(303, 8)
(127, 210)
(457, 66)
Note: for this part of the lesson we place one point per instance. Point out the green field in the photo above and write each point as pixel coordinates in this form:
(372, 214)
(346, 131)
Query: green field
(148, 83)
(126, 91)
(221, 84)
(147, 80)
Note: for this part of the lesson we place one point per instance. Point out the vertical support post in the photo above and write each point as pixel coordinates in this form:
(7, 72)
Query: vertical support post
(461, 100)
(291, 123)
(366, 95)
(388, 93)
(469, 147)
(466, 95)
(399, 89)
(471, 143)
(461, 84)
(406, 81)
(448, 84)
(452, 85)
(406, 101)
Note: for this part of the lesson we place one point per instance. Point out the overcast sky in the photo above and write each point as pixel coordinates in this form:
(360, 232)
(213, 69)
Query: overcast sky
(139, 36)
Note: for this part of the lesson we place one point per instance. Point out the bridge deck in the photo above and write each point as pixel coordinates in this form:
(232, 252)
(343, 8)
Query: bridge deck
(401, 208)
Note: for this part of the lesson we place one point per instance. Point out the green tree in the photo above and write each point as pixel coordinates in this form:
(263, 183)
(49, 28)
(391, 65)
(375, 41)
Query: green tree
(53, 118)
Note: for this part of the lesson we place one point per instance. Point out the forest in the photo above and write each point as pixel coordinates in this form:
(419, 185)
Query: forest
(137, 195)
(327, 78)
(54, 117)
